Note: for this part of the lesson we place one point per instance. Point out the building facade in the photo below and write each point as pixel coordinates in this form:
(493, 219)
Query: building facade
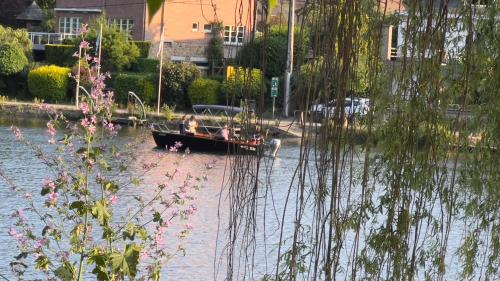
(188, 25)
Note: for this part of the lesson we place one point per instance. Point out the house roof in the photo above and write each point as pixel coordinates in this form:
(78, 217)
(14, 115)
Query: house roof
(33, 13)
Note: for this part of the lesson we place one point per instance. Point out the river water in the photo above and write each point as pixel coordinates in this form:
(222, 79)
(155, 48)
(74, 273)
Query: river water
(204, 258)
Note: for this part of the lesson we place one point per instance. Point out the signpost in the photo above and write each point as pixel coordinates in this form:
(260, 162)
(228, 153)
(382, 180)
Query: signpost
(275, 81)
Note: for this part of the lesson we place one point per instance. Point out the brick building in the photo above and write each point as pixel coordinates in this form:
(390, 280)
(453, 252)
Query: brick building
(187, 23)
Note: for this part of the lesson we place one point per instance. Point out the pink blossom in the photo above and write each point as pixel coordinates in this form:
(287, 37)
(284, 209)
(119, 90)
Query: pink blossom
(173, 149)
(85, 45)
(84, 107)
(114, 199)
(178, 144)
(12, 232)
(28, 196)
(52, 198)
(189, 226)
(83, 29)
(85, 123)
(144, 255)
(92, 129)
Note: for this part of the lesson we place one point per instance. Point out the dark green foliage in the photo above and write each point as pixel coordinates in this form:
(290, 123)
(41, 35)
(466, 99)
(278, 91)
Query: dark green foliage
(12, 59)
(273, 49)
(49, 83)
(143, 85)
(61, 55)
(146, 65)
(177, 77)
(144, 47)
(204, 91)
(118, 51)
(215, 48)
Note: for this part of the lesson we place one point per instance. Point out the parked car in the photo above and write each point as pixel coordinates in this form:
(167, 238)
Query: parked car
(352, 107)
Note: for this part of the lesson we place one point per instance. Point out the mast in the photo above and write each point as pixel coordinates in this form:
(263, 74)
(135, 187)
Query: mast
(289, 62)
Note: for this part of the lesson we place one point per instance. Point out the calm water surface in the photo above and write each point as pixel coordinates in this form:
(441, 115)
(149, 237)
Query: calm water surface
(208, 238)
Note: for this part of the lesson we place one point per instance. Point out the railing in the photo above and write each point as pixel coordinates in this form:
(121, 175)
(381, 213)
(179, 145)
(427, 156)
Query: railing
(40, 39)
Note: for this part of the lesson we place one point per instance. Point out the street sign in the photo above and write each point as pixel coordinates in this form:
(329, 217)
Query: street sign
(274, 87)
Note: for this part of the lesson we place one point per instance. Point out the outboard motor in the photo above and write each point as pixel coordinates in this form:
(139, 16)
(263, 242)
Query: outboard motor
(274, 146)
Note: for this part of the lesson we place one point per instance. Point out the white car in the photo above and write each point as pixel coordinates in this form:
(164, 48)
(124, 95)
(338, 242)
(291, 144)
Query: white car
(356, 106)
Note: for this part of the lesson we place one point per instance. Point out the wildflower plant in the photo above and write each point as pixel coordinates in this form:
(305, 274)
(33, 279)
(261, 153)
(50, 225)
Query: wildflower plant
(80, 236)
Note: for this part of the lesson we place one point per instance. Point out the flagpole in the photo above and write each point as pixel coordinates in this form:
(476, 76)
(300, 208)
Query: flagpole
(100, 48)
(78, 80)
(161, 54)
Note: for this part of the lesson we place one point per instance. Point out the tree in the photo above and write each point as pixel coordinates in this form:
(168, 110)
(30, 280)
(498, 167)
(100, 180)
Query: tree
(18, 37)
(215, 49)
(273, 50)
(176, 80)
(12, 59)
(118, 51)
(243, 83)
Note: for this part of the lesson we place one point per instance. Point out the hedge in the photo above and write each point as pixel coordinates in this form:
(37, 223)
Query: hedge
(142, 85)
(61, 55)
(146, 65)
(204, 91)
(144, 47)
(49, 83)
(12, 59)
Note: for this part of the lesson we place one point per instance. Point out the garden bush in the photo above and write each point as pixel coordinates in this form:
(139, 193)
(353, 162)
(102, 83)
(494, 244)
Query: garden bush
(49, 83)
(204, 91)
(12, 59)
(177, 77)
(146, 65)
(61, 55)
(243, 83)
(142, 85)
(144, 47)
(18, 37)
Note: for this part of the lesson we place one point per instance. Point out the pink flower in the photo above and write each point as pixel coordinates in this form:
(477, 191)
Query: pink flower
(83, 29)
(28, 196)
(12, 232)
(114, 199)
(173, 149)
(52, 198)
(84, 107)
(178, 144)
(85, 45)
(144, 255)
(189, 226)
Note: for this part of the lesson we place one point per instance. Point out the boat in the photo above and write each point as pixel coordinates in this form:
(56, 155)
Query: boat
(207, 138)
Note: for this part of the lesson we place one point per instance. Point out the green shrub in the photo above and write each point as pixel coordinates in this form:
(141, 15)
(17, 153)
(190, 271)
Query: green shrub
(146, 65)
(49, 83)
(18, 37)
(177, 77)
(61, 55)
(243, 83)
(12, 59)
(144, 47)
(142, 85)
(204, 91)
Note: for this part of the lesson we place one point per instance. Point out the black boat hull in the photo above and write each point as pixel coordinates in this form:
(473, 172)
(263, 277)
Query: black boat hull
(202, 143)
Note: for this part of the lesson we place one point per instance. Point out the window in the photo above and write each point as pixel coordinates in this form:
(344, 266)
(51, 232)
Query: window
(69, 25)
(195, 27)
(124, 25)
(207, 28)
(234, 34)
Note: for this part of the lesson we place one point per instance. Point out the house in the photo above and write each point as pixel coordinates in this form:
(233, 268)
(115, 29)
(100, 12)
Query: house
(32, 16)
(188, 25)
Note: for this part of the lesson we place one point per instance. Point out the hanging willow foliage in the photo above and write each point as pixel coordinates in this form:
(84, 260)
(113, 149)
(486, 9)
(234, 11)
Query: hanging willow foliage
(385, 209)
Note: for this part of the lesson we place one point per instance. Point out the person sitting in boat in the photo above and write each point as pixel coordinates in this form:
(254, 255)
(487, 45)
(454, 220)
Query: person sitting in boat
(192, 125)
(223, 133)
(182, 125)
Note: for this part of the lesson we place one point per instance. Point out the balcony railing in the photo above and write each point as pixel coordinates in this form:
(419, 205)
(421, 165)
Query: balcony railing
(40, 39)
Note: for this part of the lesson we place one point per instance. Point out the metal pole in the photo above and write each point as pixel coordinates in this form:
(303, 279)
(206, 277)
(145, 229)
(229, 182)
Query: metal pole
(100, 48)
(161, 54)
(78, 80)
(274, 100)
(289, 63)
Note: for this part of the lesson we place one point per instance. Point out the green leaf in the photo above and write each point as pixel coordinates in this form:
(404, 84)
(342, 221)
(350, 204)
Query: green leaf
(111, 186)
(79, 206)
(66, 271)
(101, 212)
(129, 233)
(127, 262)
(42, 263)
(153, 7)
